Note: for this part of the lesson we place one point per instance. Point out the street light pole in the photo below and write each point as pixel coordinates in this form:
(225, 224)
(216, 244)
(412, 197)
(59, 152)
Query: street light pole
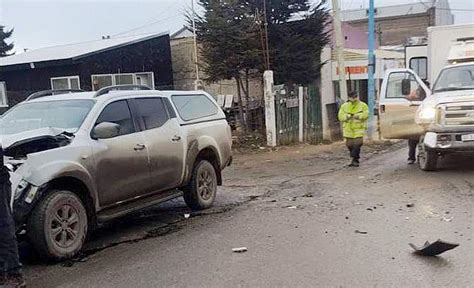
(371, 76)
(339, 50)
(196, 83)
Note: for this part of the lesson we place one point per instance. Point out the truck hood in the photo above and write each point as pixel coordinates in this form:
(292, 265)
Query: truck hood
(21, 144)
(451, 97)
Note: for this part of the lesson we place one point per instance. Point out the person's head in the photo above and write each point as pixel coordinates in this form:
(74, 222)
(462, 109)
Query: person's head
(353, 96)
(426, 83)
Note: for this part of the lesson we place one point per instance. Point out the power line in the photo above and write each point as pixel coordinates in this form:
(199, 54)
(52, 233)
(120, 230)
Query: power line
(153, 22)
(146, 25)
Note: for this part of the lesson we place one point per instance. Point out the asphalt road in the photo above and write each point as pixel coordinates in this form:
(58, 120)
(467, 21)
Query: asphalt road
(297, 211)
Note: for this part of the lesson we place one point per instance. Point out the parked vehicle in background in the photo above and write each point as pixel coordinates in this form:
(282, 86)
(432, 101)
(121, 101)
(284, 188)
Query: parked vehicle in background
(82, 158)
(444, 120)
(429, 57)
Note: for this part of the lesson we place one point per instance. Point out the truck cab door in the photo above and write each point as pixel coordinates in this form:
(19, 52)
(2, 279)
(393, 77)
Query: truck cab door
(164, 140)
(401, 95)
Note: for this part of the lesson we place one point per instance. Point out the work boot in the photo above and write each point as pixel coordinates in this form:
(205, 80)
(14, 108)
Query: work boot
(354, 163)
(14, 281)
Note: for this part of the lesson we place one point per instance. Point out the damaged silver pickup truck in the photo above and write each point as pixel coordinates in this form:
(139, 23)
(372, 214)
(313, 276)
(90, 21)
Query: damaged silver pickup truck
(81, 158)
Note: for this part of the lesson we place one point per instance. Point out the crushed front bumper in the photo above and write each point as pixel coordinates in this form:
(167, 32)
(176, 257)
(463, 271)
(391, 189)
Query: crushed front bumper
(449, 142)
(24, 197)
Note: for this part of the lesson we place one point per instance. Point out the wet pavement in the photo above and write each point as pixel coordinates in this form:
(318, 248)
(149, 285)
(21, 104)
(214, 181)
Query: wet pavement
(306, 221)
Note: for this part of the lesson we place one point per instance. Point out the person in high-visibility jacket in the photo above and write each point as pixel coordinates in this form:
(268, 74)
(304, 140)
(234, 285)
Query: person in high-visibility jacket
(354, 115)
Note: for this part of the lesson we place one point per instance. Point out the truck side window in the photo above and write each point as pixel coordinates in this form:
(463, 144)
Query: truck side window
(394, 88)
(419, 65)
(119, 113)
(152, 112)
(192, 107)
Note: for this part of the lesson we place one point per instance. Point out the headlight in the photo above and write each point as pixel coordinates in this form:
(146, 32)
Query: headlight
(426, 115)
(21, 188)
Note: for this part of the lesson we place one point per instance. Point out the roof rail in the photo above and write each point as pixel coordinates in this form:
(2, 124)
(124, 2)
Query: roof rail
(465, 39)
(44, 93)
(106, 90)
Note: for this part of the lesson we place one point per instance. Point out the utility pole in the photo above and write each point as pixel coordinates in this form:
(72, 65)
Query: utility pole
(371, 80)
(339, 50)
(265, 23)
(197, 81)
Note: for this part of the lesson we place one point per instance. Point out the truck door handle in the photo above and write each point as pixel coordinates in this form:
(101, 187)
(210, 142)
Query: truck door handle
(139, 147)
(382, 108)
(176, 138)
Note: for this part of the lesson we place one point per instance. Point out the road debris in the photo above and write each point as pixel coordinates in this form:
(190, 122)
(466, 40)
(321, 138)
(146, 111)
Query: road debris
(360, 232)
(370, 209)
(361, 177)
(239, 250)
(308, 195)
(447, 219)
(186, 216)
(411, 205)
(291, 207)
(434, 248)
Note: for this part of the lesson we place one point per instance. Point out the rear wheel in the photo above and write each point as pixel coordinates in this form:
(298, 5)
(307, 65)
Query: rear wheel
(427, 159)
(202, 189)
(58, 225)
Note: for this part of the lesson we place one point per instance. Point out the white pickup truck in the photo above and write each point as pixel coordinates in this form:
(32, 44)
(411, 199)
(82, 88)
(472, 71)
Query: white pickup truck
(442, 118)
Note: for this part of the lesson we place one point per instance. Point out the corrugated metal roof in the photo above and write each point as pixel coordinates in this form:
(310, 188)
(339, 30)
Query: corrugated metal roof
(72, 51)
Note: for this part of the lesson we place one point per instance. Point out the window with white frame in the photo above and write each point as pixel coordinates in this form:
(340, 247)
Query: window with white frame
(69, 82)
(3, 95)
(141, 78)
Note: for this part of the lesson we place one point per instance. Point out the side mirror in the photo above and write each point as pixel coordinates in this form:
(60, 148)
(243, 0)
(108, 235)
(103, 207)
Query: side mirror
(406, 87)
(105, 130)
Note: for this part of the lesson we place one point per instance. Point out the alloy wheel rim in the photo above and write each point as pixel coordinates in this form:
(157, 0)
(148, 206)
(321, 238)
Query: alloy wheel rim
(205, 185)
(65, 226)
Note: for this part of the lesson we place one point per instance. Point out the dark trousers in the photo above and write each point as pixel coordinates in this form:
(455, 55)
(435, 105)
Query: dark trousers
(412, 144)
(354, 145)
(9, 259)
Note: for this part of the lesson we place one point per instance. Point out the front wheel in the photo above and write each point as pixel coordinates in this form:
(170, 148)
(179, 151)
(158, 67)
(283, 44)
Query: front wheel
(202, 189)
(427, 159)
(58, 225)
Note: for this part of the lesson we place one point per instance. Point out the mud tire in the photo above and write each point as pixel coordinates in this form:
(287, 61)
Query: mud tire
(428, 160)
(201, 190)
(63, 211)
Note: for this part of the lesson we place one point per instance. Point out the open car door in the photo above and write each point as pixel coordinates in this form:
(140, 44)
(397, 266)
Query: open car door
(401, 95)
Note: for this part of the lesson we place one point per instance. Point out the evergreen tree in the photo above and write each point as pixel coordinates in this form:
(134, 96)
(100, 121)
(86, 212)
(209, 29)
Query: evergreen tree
(230, 42)
(4, 47)
(232, 38)
(295, 45)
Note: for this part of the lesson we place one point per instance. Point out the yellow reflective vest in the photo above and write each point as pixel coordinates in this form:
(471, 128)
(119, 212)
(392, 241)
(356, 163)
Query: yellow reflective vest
(354, 117)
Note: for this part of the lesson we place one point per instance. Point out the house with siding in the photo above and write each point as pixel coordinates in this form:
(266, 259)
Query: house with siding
(397, 24)
(139, 59)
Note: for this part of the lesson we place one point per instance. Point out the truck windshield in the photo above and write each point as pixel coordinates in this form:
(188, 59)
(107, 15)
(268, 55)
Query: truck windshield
(67, 115)
(455, 78)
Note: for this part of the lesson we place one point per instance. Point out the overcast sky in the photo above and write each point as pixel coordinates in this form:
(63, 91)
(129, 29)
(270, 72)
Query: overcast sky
(43, 23)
